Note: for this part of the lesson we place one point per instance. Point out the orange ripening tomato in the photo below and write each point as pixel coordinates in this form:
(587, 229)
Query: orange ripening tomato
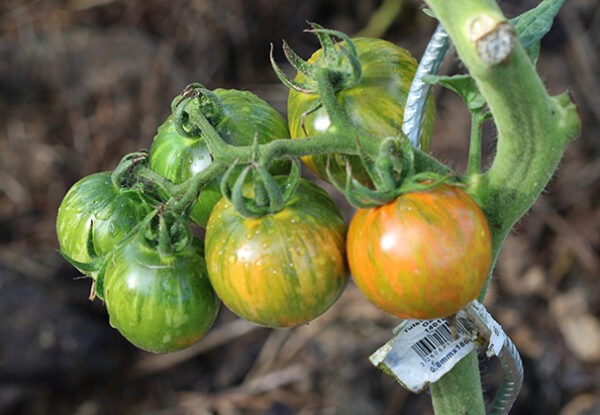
(425, 255)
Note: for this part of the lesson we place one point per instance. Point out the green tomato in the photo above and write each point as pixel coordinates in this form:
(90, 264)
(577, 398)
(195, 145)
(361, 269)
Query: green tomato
(95, 204)
(375, 104)
(179, 158)
(283, 269)
(159, 303)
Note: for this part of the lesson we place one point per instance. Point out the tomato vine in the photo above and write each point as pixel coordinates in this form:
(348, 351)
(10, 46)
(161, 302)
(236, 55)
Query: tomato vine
(276, 244)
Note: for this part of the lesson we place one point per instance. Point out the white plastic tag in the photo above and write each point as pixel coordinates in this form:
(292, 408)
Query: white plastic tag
(422, 351)
(497, 335)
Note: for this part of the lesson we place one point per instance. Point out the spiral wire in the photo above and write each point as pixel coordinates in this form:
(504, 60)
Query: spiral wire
(418, 95)
(512, 368)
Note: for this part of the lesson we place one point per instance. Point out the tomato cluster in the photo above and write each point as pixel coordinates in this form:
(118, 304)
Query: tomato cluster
(424, 255)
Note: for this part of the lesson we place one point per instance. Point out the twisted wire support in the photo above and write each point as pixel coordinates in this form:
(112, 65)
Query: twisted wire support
(512, 368)
(512, 381)
(416, 102)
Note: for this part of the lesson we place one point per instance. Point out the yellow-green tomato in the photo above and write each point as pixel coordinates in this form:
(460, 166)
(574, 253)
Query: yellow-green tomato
(283, 269)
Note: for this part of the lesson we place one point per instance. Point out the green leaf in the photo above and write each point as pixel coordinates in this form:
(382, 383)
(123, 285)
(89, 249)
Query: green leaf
(531, 26)
(463, 85)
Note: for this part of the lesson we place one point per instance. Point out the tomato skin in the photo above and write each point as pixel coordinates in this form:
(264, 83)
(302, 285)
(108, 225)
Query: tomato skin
(283, 269)
(159, 303)
(425, 255)
(179, 158)
(94, 198)
(375, 104)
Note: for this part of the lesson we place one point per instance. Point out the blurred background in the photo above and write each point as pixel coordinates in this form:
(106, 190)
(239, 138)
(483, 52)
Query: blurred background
(83, 82)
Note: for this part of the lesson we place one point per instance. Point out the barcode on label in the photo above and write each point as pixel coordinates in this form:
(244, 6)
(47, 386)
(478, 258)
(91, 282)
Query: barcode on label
(439, 338)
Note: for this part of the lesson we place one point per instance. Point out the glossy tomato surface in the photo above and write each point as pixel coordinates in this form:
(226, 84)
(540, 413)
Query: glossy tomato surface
(179, 158)
(376, 103)
(95, 204)
(425, 255)
(159, 303)
(283, 269)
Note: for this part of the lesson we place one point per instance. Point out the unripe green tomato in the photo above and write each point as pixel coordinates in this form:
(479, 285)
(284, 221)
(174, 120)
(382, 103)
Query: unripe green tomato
(179, 158)
(375, 104)
(159, 303)
(95, 204)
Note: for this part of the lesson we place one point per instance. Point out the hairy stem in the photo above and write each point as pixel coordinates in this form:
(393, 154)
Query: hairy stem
(458, 392)
(533, 128)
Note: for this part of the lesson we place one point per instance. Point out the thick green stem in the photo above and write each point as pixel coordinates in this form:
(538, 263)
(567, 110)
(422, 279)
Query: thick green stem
(533, 129)
(458, 392)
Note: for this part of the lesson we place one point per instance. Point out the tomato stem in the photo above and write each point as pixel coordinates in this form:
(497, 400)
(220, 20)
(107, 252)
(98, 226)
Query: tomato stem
(458, 391)
(533, 131)
(474, 163)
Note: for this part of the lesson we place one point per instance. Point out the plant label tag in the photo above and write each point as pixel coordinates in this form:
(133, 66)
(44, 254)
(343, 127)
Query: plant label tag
(497, 335)
(422, 351)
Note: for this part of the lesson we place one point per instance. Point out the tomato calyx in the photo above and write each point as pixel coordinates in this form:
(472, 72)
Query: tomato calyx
(392, 173)
(196, 98)
(267, 195)
(340, 59)
(168, 232)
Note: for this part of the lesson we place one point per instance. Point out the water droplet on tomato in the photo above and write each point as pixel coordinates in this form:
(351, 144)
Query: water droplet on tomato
(320, 260)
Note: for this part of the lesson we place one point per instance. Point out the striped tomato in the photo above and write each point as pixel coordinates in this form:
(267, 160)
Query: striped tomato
(94, 204)
(283, 269)
(179, 158)
(375, 104)
(425, 255)
(160, 303)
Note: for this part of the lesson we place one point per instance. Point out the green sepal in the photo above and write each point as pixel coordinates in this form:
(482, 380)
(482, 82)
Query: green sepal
(164, 238)
(244, 205)
(297, 62)
(89, 243)
(325, 40)
(88, 268)
(296, 86)
(292, 181)
(333, 59)
(274, 194)
(168, 231)
(99, 281)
